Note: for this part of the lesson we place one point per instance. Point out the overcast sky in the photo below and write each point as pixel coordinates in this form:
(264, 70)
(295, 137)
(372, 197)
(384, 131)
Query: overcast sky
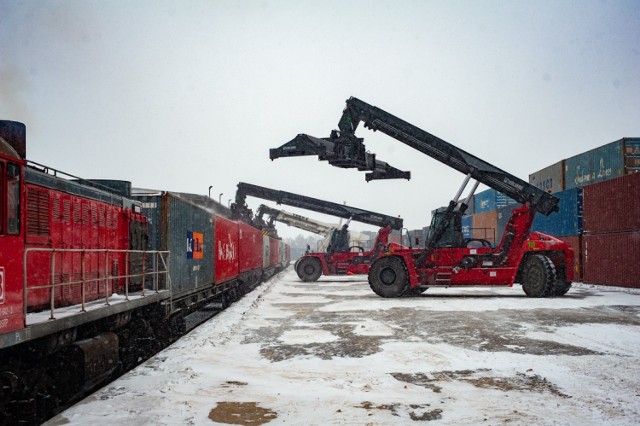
(183, 95)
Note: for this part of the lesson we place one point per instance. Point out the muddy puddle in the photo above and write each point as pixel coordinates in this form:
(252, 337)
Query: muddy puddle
(416, 412)
(503, 330)
(524, 382)
(241, 413)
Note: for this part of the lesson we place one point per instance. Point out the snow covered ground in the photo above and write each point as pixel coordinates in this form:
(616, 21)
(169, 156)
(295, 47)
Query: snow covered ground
(333, 352)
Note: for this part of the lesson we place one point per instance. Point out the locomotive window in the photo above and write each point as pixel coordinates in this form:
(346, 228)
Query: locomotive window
(13, 198)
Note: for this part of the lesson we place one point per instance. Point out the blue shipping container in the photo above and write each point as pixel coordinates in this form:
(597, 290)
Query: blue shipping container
(566, 222)
(467, 222)
(186, 231)
(596, 165)
(489, 200)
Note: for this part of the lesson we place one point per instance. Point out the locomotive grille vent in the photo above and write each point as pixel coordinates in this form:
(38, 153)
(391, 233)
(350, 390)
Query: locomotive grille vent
(56, 208)
(85, 214)
(76, 213)
(66, 211)
(38, 212)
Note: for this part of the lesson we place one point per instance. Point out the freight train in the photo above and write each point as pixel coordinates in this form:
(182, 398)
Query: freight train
(95, 277)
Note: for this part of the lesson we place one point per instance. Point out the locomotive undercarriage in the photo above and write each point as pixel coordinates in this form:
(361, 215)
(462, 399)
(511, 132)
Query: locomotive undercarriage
(41, 378)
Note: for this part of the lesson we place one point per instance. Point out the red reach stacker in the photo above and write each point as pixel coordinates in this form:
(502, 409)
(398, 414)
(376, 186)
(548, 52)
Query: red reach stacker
(338, 258)
(542, 263)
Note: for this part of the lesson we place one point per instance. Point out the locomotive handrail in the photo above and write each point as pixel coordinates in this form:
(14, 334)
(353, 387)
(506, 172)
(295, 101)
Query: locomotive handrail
(107, 278)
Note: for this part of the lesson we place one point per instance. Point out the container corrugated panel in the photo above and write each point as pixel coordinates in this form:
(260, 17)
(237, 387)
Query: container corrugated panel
(484, 201)
(503, 216)
(467, 224)
(187, 232)
(568, 220)
(549, 179)
(613, 205)
(632, 162)
(597, 165)
(612, 259)
(632, 146)
(151, 208)
(502, 200)
(608, 161)
(281, 252)
(266, 251)
(575, 241)
(490, 200)
(226, 244)
(484, 226)
(250, 250)
(273, 252)
(578, 170)
(632, 154)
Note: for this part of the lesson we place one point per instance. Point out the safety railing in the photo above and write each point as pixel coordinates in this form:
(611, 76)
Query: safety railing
(151, 268)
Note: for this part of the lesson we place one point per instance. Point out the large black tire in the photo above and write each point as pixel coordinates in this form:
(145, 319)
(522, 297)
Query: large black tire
(309, 269)
(538, 276)
(561, 288)
(295, 267)
(388, 277)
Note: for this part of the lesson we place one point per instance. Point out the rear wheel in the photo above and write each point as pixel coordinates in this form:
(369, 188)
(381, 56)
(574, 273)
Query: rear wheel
(309, 269)
(539, 276)
(388, 277)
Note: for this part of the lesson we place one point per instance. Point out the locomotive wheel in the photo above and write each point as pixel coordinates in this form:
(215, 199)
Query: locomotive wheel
(539, 276)
(388, 277)
(561, 288)
(309, 269)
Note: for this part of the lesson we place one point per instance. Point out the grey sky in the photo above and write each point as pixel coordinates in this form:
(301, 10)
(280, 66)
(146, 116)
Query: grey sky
(184, 95)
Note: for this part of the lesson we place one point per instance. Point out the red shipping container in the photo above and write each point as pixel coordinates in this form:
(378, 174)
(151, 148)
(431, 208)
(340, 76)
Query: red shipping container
(484, 226)
(612, 206)
(576, 244)
(612, 259)
(250, 250)
(273, 251)
(225, 246)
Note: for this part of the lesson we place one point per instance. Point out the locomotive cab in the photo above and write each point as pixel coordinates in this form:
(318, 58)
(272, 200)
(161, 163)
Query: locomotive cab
(12, 147)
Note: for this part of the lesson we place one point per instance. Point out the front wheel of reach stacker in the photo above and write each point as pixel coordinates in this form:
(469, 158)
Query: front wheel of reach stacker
(309, 269)
(388, 277)
(538, 276)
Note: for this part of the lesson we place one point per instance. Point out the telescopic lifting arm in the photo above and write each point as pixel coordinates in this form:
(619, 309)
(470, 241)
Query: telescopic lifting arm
(344, 149)
(295, 220)
(344, 152)
(241, 211)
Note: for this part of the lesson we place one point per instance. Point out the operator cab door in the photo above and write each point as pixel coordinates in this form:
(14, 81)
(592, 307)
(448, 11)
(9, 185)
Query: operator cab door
(11, 246)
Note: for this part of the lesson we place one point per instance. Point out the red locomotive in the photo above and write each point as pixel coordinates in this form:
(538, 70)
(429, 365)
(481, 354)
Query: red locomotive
(93, 280)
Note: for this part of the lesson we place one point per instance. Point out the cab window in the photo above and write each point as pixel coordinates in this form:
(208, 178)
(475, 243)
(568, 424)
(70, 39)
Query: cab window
(13, 198)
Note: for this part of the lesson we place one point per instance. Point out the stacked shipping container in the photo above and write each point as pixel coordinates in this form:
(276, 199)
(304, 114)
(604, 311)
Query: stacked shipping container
(611, 241)
(607, 176)
(604, 231)
(609, 161)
